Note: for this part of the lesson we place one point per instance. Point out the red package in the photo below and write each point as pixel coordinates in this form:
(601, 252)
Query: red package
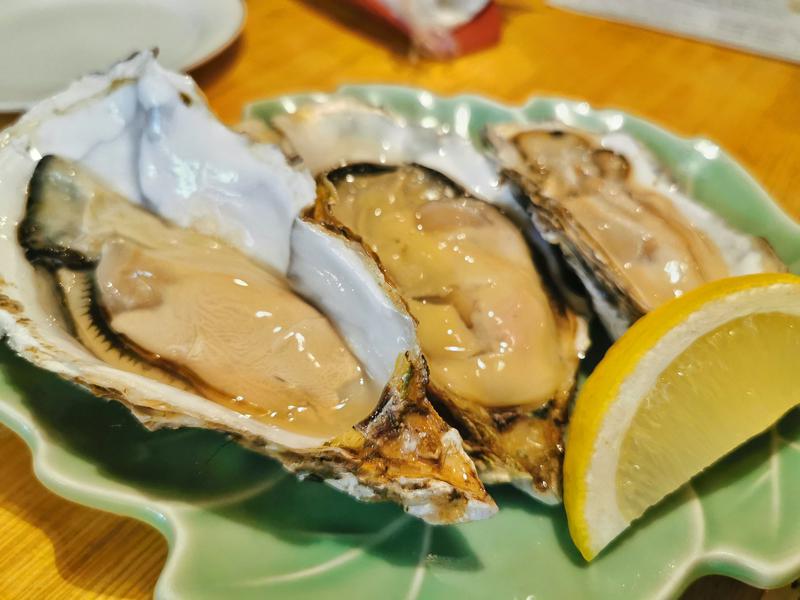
(440, 28)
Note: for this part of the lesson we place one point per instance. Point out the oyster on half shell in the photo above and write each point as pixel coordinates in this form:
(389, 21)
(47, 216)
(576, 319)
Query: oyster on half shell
(633, 238)
(502, 350)
(161, 261)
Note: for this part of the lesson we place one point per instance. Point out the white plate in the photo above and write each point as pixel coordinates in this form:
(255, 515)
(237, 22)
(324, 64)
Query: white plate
(44, 44)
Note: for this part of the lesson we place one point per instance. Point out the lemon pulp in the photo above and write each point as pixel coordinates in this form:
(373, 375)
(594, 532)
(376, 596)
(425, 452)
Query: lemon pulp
(730, 382)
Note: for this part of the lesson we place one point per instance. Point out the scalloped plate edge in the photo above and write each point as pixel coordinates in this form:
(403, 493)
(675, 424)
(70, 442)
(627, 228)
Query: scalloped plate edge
(133, 503)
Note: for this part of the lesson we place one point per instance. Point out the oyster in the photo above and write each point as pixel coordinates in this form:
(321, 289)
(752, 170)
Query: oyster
(160, 261)
(502, 350)
(632, 237)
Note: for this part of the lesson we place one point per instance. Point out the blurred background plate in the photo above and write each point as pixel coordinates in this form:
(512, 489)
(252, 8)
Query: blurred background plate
(45, 44)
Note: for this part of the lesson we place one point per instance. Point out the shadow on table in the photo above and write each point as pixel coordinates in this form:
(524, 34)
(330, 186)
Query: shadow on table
(111, 546)
(363, 23)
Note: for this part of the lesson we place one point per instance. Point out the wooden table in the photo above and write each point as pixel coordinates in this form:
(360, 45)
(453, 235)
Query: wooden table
(52, 548)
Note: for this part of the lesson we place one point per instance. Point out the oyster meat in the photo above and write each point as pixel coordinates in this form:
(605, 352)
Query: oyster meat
(161, 261)
(502, 350)
(634, 239)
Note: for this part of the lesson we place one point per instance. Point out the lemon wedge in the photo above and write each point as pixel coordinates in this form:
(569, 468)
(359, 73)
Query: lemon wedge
(687, 384)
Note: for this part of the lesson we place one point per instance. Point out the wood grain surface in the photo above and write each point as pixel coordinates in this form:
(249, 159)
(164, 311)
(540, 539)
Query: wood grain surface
(51, 548)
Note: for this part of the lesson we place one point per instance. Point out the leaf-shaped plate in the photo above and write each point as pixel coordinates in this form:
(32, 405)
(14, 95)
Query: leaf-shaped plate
(239, 527)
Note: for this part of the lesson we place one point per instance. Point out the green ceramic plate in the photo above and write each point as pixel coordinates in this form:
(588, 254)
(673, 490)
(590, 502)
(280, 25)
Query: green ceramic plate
(239, 527)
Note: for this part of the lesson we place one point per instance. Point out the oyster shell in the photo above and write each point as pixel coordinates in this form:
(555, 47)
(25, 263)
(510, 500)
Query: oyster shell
(502, 350)
(151, 250)
(633, 238)
(338, 132)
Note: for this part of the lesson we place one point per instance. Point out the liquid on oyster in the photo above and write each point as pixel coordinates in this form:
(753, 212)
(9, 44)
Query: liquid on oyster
(176, 305)
(653, 248)
(486, 324)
